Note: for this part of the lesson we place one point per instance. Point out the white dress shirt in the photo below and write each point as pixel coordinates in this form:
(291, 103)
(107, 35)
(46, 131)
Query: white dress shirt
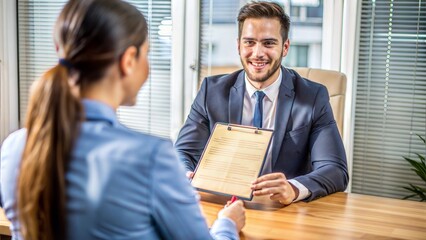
(268, 120)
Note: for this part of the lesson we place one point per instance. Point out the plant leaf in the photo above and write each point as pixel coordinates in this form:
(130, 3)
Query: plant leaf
(409, 196)
(424, 140)
(419, 167)
(422, 159)
(417, 192)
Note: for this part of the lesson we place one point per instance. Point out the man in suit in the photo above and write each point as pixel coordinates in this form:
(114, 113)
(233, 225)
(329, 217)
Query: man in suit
(307, 159)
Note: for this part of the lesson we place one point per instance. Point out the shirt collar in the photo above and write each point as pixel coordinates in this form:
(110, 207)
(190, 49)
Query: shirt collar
(271, 91)
(99, 111)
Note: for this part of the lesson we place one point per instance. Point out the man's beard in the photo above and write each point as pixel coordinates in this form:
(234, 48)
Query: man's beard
(267, 75)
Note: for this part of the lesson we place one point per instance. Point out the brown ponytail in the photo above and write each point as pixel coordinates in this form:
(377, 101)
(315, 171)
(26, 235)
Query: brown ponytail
(52, 123)
(91, 35)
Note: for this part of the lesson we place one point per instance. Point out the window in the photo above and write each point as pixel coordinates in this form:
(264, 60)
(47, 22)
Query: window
(219, 32)
(314, 12)
(391, 96)
(218, 38)
(37, 53)
(224, 11)
(152, 111)
(306, 10)
(297, 56)
(8, 69)
(295, 12)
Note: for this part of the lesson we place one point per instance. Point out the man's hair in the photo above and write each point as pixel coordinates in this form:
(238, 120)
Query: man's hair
(264, 10)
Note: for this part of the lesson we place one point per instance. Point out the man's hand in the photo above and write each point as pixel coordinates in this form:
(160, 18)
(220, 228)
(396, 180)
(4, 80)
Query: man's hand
(276, 186)
(189, 174)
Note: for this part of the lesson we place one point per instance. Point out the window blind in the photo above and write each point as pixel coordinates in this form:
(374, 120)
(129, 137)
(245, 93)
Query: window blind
(205, 51)
(391, 96)
(152, 111)
(36, 51)
(217, 17)
(151, 114)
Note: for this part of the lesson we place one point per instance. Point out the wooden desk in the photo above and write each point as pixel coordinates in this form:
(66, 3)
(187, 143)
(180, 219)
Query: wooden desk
(4, 225)
(338, 216)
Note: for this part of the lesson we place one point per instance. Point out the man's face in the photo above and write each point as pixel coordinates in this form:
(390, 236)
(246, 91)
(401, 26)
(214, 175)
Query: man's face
(261, 49)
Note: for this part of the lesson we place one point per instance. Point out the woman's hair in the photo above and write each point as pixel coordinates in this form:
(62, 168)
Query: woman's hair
(90, 35)
(264, 10)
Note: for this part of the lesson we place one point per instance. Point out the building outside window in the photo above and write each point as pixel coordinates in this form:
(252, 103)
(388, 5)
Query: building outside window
(219, 33)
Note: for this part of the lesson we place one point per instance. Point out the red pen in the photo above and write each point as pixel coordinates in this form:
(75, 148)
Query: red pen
(233, 199)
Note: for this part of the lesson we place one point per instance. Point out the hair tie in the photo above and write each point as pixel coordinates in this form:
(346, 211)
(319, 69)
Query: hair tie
(65, 63)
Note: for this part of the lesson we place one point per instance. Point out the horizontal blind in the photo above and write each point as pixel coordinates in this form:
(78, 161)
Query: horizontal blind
(152, 111)
(36, 51)
(214, 13)
(205, 49)
(36, 20)
(391, 96)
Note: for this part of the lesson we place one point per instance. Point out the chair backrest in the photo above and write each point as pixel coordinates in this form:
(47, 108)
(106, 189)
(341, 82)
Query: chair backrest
(336, 86)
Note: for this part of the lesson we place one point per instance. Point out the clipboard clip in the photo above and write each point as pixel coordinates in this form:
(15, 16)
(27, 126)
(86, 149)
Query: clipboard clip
(239, 128)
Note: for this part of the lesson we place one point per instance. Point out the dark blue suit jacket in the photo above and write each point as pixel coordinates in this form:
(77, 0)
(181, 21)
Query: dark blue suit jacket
(307, 146)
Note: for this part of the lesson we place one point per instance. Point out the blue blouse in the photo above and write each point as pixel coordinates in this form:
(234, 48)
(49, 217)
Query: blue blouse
(121, 184)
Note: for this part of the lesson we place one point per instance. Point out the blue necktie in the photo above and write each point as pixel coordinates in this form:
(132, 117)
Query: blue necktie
(258, 110)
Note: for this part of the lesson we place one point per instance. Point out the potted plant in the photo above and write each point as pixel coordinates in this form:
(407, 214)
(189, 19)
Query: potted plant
(419, 167)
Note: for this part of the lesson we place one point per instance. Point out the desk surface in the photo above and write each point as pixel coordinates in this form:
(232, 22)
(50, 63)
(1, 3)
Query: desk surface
(338, 216)
(4, 224)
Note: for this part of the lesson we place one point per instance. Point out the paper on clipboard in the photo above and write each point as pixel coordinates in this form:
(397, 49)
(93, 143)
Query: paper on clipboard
(232, 159)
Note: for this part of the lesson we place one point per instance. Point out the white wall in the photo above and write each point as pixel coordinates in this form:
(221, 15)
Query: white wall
(8, 69)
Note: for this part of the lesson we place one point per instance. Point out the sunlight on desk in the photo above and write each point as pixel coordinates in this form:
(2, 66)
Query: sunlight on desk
(338, 216)
(4, 225)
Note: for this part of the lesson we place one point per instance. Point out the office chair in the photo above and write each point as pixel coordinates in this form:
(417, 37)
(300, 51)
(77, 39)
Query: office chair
(336, 86)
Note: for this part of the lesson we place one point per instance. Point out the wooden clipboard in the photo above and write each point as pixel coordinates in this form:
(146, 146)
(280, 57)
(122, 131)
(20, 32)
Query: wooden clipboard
(233, 157)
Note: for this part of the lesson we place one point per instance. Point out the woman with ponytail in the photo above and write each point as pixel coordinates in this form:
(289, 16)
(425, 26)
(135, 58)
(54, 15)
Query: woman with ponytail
(74, 172)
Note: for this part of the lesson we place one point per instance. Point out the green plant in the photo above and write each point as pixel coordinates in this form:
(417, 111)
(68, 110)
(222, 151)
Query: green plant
(419, 167)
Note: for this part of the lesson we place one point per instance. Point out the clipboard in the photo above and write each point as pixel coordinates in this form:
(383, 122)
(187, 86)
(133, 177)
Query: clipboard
(233, 157)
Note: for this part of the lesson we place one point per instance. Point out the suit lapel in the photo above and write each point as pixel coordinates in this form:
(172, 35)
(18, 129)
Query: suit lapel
(282, 114)
(236, 100)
